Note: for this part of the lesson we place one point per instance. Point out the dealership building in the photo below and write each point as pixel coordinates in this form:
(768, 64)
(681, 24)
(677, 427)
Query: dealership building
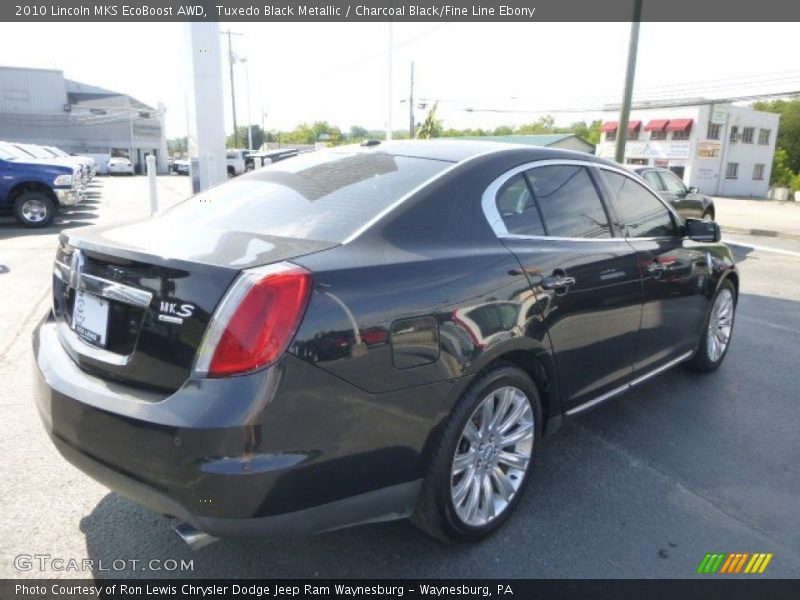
(722, 149)
(40, 106)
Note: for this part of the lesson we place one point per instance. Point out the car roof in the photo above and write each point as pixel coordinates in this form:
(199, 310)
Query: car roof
(461, 150)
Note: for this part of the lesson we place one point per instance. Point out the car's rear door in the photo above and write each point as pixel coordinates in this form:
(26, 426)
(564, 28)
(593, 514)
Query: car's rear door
(673, 269)
(585, 279)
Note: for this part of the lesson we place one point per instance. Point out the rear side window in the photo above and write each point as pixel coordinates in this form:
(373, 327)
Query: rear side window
(323, 196)
(570, 204)
(517, 208)
(641, 213)
(654, 180)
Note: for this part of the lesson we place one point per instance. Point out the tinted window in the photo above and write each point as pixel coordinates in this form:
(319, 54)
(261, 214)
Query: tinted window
(518, 209)
(642, 214)
(673, 183)
(654, 180)
(569, 202)
(324, 195)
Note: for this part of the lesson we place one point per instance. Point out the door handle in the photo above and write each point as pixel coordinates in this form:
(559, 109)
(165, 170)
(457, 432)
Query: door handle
(656, 267)
(557, 281)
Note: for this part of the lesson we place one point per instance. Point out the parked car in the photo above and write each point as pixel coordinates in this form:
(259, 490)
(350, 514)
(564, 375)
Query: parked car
(120, 165)
(369, 333)
(180, 166)
(688, 201)
(34, 191)
(236, 162)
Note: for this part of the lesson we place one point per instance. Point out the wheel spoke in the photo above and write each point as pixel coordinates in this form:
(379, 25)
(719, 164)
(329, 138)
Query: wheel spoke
(521, 433)
(471, 433)
(504, 487)
(487, 412)
(518, 410)
(463, 461)
(460, 490)
(502, 407)
(471, 507)
(488, 497)
(513, 459)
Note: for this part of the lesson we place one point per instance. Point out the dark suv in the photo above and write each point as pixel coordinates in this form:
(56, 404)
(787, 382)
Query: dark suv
(369, 333)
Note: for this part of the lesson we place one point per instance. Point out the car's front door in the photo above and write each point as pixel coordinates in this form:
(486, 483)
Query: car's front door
(674, 271)
(586, 281)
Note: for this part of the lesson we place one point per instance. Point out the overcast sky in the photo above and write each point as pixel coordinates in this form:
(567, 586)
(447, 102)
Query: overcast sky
(338, 71)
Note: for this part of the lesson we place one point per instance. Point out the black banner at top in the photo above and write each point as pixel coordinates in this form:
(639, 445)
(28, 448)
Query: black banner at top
(398, 10)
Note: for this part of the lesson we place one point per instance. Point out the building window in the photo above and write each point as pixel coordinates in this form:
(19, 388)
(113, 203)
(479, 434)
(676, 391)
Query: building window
(758, 172)
(763, 137)
(747, 135)
(732, 171)
(658, 135)
(611, 136)
(734, 134)
(713, 131)
(680, 135)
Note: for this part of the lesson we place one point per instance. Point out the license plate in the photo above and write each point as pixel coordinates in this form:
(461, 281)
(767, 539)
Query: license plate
(90, 318)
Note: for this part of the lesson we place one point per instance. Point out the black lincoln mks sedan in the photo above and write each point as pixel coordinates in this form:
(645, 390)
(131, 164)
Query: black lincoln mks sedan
(369, 333)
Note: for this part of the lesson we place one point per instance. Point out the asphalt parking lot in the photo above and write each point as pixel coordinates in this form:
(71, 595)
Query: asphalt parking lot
(643, 486)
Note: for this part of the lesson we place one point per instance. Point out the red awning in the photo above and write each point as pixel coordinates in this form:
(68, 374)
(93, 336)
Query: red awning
(656, 125)
(680, 125)
(609, 126)
(634, 125)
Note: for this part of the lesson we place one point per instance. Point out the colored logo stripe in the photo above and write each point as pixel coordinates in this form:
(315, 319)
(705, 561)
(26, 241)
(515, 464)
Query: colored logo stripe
(734, 562)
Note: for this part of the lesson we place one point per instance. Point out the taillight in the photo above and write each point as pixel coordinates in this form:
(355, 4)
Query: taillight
(255, 321)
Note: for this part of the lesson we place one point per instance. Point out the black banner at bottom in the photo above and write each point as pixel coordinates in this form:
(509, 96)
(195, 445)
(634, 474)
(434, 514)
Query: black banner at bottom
(249, 589)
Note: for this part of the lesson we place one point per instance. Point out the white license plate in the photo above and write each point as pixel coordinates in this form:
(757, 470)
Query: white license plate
(90, 318)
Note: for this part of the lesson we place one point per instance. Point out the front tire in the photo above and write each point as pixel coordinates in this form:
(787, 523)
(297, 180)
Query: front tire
(34, 209)
(717, 332)
(480, 465)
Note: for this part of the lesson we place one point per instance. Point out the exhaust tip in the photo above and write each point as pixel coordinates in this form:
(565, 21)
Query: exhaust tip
(193, 537)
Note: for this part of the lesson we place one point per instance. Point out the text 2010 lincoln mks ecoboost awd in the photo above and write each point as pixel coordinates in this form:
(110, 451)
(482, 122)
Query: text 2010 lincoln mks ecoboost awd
(369, 333)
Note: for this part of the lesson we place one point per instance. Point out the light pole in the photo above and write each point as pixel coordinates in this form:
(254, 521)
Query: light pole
(247, 91)
(231, 60)
(625, 109)
(389, 90)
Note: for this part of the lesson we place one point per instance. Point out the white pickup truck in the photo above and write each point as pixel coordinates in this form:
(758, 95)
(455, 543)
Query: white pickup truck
(236, 162)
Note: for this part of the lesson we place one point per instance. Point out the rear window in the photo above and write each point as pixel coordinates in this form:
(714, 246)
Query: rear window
(322, 196)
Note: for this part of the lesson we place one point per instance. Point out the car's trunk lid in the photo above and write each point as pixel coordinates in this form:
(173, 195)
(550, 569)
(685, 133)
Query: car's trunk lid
(133, 306)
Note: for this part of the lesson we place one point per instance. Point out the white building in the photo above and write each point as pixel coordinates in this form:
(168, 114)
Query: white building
(722, 149)
(40, 106)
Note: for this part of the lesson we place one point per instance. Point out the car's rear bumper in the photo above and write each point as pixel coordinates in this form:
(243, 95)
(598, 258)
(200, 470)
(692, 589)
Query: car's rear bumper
(239, 456)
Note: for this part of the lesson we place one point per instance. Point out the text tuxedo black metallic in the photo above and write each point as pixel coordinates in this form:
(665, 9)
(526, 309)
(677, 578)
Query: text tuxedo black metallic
(369, 333)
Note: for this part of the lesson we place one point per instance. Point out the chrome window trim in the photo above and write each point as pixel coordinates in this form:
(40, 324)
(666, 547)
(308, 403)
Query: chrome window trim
(419, 188)
(495, 220)
(631, 384)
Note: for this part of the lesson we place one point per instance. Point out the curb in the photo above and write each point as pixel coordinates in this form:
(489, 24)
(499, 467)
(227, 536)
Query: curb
(760, 232)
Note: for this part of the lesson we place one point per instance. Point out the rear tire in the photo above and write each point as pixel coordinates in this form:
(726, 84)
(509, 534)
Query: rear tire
(34, 209)
(475, 480)
(717, 331)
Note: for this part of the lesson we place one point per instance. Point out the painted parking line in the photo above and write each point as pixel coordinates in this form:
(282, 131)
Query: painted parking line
(763, 248)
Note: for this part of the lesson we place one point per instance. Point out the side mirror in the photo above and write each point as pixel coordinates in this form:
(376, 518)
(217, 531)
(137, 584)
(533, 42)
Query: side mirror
(693, 190)
(699, 230)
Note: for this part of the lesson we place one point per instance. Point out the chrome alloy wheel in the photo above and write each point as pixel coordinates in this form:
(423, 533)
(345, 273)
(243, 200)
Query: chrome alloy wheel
(34, 211)
(719, 325)
(492, 456)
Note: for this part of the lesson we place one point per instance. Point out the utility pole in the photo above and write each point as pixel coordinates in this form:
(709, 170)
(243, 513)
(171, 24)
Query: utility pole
(625, 109)
(411, 125)
(230, 33)
(389, 90)
(247, 91)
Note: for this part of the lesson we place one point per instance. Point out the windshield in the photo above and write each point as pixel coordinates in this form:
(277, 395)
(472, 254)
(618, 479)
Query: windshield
(323, 196)
(33, 151)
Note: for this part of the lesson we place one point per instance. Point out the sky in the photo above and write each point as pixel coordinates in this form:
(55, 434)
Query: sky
(338, 72)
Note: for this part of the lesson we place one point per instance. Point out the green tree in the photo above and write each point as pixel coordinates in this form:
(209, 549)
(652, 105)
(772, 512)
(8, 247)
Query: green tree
(789, 130)
(179, 145)
(431, 127)
(782, 174)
